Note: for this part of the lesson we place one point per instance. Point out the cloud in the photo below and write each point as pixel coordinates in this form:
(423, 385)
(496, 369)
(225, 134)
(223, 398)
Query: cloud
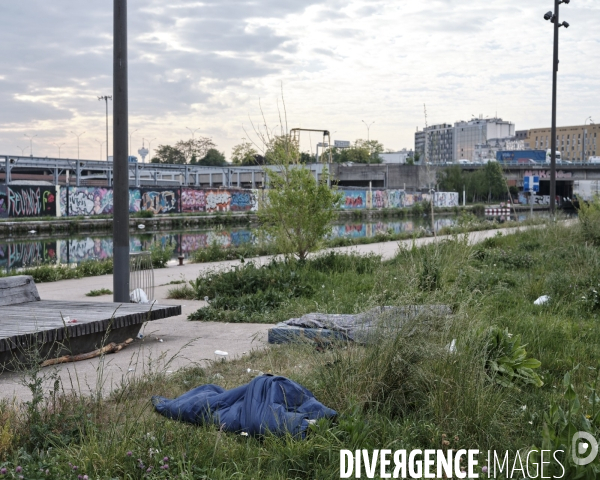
(207, 63)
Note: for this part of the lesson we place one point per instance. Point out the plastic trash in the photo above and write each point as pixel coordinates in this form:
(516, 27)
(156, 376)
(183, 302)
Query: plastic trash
(451, 347)
(256, 373)
(138, 296)
(543, 300)
(221, 352)
(141, 226)
(32, 231)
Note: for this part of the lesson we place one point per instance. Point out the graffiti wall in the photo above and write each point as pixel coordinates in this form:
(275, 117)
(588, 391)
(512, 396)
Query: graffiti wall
(3, 202)
(379, 199)
(243, 201)
(160, 200)
(31, 201)
(85, 201)
(192, 200)
(354, 199)
(395, 198)
(445, 199)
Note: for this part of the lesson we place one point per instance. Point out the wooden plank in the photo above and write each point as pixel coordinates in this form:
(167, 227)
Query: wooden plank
(40, 322)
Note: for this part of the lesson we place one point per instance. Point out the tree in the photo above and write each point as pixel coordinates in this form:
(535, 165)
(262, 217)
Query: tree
(374, 148)
(244, 154)
(494, 178)
(299, 209)
(362, 151)
(282, 150)
(195, 147)
(416, 157)
(213, 158)
(168, 154)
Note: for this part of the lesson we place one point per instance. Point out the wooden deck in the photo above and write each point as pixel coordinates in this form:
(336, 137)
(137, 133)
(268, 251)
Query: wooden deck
(32, 330)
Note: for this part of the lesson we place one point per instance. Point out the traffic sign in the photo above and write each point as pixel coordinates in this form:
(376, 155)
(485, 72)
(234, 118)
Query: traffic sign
(341, 144)
(531, 183)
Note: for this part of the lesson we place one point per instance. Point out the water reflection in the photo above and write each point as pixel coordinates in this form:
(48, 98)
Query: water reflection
(23, 252)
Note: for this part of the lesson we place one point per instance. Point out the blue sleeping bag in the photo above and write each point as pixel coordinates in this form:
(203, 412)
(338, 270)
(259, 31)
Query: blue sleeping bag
(266, 404)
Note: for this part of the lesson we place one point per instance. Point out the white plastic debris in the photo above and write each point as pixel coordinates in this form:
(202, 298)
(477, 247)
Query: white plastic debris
(141, 226)
(218, 376)
(451, 347)
(256, 373)
(543, 300)
(221, 352)
(32, 231)
(139, 296)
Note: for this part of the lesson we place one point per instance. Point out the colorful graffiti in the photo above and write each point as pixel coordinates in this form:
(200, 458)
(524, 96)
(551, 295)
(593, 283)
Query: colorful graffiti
(31, 201)
(445, 199)
(243, 201)
(354, 199)
(3, 202)
(160, 201)
(395, 198)
(379, 199)
(218, 201)
(192, 200)
(85, 201)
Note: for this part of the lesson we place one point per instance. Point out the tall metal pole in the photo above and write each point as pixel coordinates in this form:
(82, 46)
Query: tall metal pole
(120, 154)
(106, 98)
(77, 141)
(553, 140)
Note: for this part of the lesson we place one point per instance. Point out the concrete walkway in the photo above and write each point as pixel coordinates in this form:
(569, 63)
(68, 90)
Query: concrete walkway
(175, 342)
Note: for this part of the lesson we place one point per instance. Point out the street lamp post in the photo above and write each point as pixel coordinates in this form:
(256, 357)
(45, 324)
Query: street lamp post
(369, 137)
(106, 98)
(30, 143)
(120, 160)
(130, 135)
(150, 149)
(554, 18)
(584, 132)
(78, 135)
(22, 150)
(192, 131)
(58, 146)
(100, 143)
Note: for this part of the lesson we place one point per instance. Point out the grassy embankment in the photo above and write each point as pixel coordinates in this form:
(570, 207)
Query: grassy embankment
(405, 391)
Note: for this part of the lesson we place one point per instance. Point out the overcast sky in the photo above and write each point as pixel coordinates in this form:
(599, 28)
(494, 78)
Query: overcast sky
(206, 65)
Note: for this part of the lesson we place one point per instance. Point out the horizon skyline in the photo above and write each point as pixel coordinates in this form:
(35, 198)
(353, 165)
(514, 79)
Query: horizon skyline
(219, 66)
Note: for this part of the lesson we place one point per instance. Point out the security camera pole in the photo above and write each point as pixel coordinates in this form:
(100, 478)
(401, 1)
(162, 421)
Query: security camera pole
(554, 19)
(120, 153)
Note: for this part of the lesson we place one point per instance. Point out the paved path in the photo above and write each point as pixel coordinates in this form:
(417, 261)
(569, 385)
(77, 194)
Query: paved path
(174, 342)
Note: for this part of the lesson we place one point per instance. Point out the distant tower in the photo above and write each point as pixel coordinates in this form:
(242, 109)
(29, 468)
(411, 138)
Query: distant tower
(143, 152)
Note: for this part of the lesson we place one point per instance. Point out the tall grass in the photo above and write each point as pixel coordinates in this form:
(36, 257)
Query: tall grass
(406, 390)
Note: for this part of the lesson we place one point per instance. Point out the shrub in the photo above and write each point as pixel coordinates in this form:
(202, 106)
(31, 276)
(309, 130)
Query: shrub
(589, 220)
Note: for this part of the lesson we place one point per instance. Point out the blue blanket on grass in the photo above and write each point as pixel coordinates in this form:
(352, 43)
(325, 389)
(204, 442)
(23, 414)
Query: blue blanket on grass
(266, 404)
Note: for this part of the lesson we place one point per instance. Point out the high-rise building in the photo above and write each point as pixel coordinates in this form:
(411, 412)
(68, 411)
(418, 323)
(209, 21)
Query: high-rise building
(569, 141)
(439, 143)
(420, 143)
(480, 131)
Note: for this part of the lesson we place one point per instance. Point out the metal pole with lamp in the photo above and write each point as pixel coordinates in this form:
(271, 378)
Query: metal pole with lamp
(77, 141)
(120, 158)
(106, 98)
(369, 137)
(30, 143)
(554, 18)
(130, 135)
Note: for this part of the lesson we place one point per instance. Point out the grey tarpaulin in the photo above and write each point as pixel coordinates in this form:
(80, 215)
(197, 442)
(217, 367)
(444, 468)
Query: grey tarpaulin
(355, 327)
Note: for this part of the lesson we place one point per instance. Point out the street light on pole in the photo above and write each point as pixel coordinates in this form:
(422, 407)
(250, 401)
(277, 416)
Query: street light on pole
(584, 132)
(192, 131)
(150, 149)
(30, 143)
(554, 18)
(130, 135)
(106, 98)
(58, 146)
(100, 143)
(77, 135)
(22, 150)
(369, 137)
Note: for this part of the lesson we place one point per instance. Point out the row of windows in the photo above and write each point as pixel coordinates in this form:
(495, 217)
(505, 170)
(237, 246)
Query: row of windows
(568, 136)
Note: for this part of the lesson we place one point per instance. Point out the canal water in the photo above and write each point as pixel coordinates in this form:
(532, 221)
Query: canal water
(36, 249)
